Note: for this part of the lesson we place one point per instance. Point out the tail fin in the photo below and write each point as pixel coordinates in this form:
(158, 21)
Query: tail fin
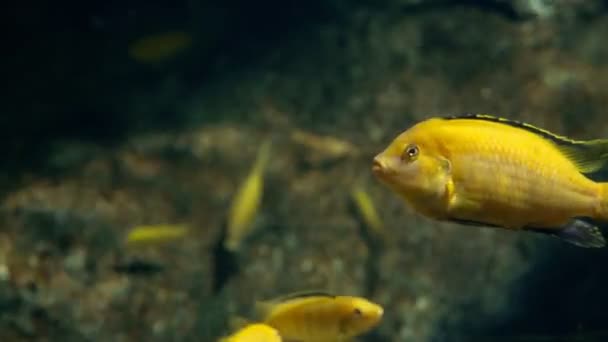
(263, 155)
(602, 208)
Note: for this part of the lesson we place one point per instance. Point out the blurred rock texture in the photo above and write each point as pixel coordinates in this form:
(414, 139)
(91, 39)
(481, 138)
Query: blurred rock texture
(96, 144)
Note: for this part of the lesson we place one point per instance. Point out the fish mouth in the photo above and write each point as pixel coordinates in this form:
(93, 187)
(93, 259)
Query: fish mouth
(378, 167)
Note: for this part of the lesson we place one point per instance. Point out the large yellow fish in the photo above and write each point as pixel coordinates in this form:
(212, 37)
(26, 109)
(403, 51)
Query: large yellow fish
(255, 332)
(488, 171)
(320, 317)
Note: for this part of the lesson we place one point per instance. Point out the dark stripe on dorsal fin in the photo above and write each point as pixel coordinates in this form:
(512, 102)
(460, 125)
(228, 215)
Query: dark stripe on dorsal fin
(588, 155)
(559, 139)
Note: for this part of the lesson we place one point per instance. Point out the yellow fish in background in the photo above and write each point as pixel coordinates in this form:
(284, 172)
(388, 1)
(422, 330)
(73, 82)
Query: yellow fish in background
(322, 149)
(256, 332)
(154, 234)
(159, 47)
(488, 171)
(246, 202)
(319, 316)
(368, 213)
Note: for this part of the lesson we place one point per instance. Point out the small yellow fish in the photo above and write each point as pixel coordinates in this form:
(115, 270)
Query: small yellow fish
(255, 332)
(155, 234)
(246, 202)
(319, 149)
(159, 47)
(329, 145)
(320, 317)
(487, 171)
(368, 213)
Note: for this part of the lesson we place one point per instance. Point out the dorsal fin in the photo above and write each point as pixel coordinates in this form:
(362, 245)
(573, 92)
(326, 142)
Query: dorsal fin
(304, 294)
(588, 155)
(262, 308)
(519, 124)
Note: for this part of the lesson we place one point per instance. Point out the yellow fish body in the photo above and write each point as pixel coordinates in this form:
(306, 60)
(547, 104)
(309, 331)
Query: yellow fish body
(320, 317)
(246, 202)
(368, 213)
(255, 332)
(153, 234)
(488, 171)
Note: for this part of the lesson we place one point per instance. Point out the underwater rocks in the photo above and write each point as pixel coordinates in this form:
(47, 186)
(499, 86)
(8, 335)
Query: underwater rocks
(73, 270)
(542, 9)
(64, 270)
(516, 9)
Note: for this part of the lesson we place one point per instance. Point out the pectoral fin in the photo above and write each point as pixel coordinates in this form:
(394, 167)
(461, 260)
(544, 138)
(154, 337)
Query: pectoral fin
(459, 205)
(577, 232)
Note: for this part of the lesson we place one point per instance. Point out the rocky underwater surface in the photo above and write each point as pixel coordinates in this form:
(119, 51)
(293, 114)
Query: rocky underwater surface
(97, 143)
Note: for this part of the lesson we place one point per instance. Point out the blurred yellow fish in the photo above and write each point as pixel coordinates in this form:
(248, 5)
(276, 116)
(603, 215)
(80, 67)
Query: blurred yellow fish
(327, 144)
(368, 213)
(153, 234)
(159, 47)
(256, 332)
(487, 171)
(320, 317)
(246, 202)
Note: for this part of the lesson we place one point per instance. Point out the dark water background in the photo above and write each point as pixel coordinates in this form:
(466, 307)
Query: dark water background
(96, 142)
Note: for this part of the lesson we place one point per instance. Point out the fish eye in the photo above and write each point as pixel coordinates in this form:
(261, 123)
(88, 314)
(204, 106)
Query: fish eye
(357, 312)
(410, 152)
